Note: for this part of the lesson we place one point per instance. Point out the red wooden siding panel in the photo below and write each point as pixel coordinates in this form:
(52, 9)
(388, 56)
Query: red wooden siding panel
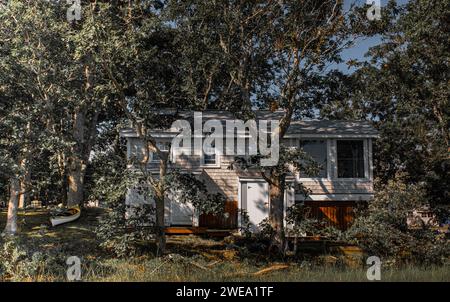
(226, 221)
(338, 214)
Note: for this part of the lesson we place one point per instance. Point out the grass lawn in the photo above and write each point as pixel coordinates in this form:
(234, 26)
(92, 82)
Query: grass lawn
(189, 258)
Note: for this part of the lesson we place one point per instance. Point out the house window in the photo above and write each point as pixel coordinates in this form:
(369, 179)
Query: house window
(317, 149)
(163, 147)
(211, 158)
(350, 158)
(137, 151)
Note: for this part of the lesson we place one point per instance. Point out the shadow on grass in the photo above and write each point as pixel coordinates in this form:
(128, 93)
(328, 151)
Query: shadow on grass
(76, 238)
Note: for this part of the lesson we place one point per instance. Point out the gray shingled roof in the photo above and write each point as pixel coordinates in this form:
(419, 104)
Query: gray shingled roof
(224, 115)
(328, 127)
(297, 128)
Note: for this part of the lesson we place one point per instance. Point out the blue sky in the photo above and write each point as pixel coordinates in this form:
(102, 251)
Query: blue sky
(361, 46)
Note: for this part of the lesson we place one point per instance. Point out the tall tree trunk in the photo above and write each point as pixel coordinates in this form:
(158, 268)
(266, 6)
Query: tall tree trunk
(75, 170)
(159, 203)
(26, 179)
(276, 190)
(160, 228)
(84, 135)
(24, 198)
(64, 188)
(11, 222)
(62, 167)
(77, 162)
(276, 210)
(75, 180)
(443, 124)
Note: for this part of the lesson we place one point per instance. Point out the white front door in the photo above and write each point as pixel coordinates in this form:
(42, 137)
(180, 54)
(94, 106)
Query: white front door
(256, 194)
(181, 214)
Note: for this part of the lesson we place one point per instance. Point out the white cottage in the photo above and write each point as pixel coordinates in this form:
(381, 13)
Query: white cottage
(342, 148)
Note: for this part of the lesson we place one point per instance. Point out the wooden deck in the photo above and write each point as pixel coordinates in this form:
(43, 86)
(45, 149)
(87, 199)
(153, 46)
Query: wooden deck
(180, 230)
(184, 230)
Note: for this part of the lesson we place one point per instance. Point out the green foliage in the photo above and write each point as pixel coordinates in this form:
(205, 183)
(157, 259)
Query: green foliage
(50, 74)
(124, 230)
(107, 177)
(186, 188)
(300, 223)
(403, 89)
(234, 64)
(381, 229)
(245, 227)
(265, 231)
(18, 262)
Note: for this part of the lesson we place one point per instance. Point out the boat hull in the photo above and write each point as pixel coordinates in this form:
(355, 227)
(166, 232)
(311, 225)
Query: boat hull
(58, 220)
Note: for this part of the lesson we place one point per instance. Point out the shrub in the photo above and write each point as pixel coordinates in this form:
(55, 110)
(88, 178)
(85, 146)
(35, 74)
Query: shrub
(19, 262)
(124, 228)
(187, 188)
(245, 227)
(300, 223)
(381, 229)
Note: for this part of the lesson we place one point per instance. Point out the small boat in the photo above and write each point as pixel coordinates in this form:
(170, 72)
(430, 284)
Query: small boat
(68, 215)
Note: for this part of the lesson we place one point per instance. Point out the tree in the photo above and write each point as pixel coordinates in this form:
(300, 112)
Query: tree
(15, 146)
(145, 81)
(63, 74)
(24, 94)
(265, 54)
(403, 89)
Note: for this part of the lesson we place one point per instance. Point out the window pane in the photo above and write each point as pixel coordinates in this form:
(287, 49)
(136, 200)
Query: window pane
(350, 159)
(138, 151)
(210, 159)
(317, 149)
(163, 147)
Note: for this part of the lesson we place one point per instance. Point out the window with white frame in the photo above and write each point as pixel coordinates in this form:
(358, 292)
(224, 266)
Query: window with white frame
(350, 159)
(163, 147)
(210, 156)
(182, 150)
(137, 150)
(317, 150)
